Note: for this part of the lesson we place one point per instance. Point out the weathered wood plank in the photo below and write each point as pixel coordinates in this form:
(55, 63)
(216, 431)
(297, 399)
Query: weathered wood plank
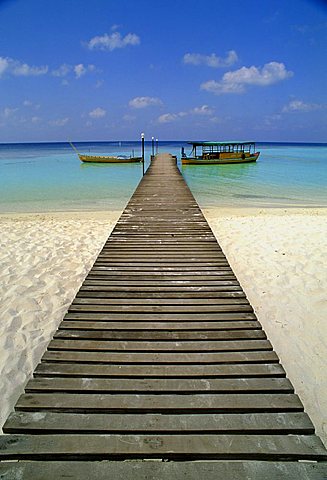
(146, 308)
(168, 326)
(160, 335)
(96, 385)
(268, 447)
(130, 300)
(240, 402)
(228, 286)
(264, 423)
(172, 370)
(158, 357)
(157, 346)
(114, 295)
(159, 316)
(136, 470)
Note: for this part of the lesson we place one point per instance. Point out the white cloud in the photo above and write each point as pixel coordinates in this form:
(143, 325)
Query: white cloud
(211, 60)
(172, 117)
(60, 122)
(97, 113)
(234, 82)
(143, 102)
(30, 104)
(14, 67)
(9, 112)
(35, 119)
(203, 110)
(79, 70)
(4, 65)
(62, 71)
(168, 118)
(112, 41)
(300, 106)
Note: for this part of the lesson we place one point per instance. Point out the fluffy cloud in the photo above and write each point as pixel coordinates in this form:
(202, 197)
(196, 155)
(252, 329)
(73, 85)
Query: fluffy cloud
(172, 117)
(203, 110)
(168, 117)
(300, 106)
(113, 41)
(14, 67)
(211, 60)
(143, 102)
(62, 71)
(235, 82)
(97, 113)
(78, 70)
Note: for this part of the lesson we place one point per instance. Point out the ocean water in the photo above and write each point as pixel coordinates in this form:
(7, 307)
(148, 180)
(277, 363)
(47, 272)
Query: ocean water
(50, 177)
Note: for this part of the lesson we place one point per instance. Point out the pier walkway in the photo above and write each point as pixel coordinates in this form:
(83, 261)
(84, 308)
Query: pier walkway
(160, 369)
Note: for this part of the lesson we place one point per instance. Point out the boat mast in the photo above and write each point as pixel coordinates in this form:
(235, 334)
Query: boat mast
(73, 146)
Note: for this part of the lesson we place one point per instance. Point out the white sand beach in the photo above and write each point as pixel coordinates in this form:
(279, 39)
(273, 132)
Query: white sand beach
(277, 254)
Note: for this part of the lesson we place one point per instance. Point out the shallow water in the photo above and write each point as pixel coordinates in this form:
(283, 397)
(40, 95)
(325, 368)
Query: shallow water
(42, 177)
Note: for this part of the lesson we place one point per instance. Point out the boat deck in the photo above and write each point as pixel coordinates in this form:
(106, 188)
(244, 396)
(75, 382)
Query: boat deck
(160, 368)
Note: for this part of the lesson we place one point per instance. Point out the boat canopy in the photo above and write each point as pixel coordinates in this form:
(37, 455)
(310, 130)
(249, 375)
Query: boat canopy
(218, 144)
(234, 146)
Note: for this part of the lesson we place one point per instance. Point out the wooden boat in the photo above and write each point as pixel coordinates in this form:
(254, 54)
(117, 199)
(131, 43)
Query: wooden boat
(106, 158)
(214, 153)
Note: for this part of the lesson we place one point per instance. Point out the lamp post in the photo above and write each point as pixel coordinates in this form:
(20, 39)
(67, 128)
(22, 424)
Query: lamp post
(152, 139)
(157, 146)
(142, 137)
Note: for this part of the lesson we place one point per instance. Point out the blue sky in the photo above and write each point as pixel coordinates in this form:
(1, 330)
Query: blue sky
(175, 69)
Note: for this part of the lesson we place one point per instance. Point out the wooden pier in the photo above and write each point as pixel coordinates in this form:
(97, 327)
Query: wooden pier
(160, 369)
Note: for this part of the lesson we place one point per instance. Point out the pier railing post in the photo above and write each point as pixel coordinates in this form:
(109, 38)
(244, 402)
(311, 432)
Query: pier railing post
(142, 137)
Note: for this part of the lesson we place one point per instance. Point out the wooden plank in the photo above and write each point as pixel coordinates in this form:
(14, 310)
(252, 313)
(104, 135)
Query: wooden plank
(228, 286)
(157, 346)
(86, 292)
(146, 308)
(268, 447)
(264, 423)
(245, 370)
(136, 470)
(173, 285)
(96, 385)
(158, 357)
(163, 317)
(150, 325)
(160, 335)
(167, 275)
(131, 300)
(178, 403)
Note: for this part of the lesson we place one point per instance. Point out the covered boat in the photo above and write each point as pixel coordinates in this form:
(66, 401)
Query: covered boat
(212, 153)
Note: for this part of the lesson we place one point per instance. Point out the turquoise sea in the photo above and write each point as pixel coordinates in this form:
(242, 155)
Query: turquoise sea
(38, 177)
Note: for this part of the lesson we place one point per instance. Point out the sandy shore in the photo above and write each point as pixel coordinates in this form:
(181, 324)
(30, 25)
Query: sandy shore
(279, 257)
(277, 254)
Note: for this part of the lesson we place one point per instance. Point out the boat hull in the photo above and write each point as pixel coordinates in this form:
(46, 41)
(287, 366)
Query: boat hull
(107, 159)
(222, 160)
